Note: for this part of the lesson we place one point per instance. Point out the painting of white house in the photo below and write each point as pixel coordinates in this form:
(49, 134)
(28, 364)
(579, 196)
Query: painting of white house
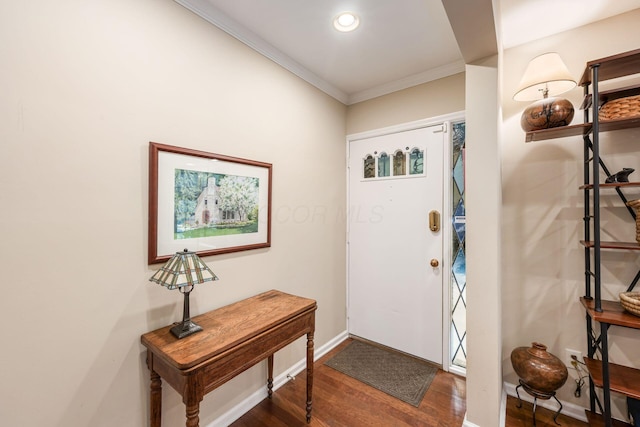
(212, 204)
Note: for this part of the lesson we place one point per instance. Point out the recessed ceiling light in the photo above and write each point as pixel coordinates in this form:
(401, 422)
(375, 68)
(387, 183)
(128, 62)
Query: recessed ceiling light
(346, 21)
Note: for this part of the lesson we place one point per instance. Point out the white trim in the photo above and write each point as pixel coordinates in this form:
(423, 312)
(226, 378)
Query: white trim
(447, 178)
(455, 369)
(407, 82)
(503, 412)
(215, 16)
(569, 409)
(432, 121)
(503, 407)
(467, 423)
(259, 395)
(347, 251)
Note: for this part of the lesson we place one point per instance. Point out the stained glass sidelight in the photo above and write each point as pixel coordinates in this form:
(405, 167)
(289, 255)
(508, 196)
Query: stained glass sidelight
(458, 331)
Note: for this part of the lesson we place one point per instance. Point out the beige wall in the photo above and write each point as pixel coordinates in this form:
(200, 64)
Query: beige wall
(85, 86)
(427, 100)
(543, 267)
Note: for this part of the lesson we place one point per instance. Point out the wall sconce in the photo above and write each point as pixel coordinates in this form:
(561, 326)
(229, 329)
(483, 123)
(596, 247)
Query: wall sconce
(545, 77)
(183, 271)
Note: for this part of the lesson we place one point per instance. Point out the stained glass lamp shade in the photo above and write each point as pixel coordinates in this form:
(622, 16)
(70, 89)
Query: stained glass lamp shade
(183, 271)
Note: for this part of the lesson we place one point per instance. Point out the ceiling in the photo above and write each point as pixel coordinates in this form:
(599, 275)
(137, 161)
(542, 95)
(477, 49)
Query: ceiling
(399, 43)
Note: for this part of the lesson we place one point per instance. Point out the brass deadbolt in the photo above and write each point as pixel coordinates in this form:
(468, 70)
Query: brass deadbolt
(434, 221)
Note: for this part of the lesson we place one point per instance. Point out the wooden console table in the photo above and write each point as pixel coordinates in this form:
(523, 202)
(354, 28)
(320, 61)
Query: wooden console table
(233, 339)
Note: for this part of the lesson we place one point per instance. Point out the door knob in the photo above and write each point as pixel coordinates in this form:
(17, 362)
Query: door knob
(434, 263)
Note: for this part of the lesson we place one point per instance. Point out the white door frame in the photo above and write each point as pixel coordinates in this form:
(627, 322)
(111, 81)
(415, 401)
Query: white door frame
(447, 230)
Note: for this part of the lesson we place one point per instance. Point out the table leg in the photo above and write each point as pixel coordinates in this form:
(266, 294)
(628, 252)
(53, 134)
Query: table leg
(193, 412)
(192, 394)
(155, 400)
(309, 373)
(270, 377)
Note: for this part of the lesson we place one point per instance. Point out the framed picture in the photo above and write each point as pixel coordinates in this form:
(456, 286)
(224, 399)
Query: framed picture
(207, 203)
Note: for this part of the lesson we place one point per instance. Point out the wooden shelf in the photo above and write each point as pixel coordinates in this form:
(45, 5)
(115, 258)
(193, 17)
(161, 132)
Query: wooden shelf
(627, 246)
(611, 185)
(559, 132)
(581, 129)
(623, 379)
(612, 313)
(596, 420)
(613, 67)
(620, 124)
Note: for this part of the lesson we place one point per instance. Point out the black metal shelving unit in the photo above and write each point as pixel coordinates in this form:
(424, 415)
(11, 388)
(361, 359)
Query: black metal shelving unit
(603, 374)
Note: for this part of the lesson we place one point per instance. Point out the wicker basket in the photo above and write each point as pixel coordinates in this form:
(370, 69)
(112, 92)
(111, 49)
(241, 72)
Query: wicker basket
(630, 301)
(621, 108)
(635, 205)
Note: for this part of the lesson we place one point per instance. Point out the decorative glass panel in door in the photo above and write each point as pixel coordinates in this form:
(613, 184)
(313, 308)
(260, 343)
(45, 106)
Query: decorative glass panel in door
(399, 164)
(384, 165)
(416, 162)
(369, 167)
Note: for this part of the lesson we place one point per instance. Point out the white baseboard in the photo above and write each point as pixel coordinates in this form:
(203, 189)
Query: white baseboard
(503, 407)
(569, 409)
(259, 395)
(467, 423)
(503, 412)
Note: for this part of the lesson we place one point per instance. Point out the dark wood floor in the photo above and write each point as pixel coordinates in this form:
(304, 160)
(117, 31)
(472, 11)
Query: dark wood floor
(341, 401)
(522, 417)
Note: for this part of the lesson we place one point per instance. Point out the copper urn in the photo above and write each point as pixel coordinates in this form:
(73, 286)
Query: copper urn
(547, 113)
(538, 369)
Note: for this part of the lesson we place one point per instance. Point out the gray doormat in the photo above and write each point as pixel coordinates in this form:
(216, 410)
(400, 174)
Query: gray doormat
(398, 375)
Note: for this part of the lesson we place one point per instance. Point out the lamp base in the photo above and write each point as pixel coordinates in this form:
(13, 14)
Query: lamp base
(184, 329)
(547, 113)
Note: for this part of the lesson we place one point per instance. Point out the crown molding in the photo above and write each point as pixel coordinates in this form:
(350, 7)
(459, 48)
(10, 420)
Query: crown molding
(407, 82)
(215, 16)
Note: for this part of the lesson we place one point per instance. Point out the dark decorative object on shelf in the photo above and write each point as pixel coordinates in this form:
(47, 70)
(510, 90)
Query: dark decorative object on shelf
(621, 176)
(634, 410)
(540, 372)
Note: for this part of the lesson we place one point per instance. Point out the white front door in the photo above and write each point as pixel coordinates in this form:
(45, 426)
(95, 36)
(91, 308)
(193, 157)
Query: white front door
(394, 293)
